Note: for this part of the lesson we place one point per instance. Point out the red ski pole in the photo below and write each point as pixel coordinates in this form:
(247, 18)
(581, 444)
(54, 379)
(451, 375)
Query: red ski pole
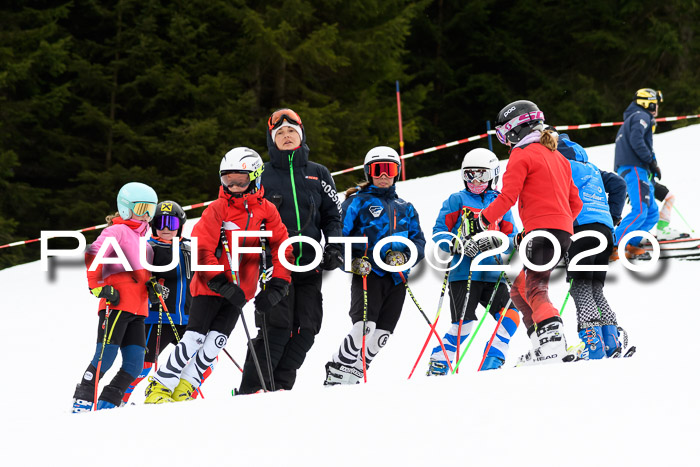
(495, 331)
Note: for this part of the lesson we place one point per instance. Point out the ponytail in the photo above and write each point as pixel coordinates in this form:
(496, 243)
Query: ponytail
(110, 219)
(548, 139)
(354, 189)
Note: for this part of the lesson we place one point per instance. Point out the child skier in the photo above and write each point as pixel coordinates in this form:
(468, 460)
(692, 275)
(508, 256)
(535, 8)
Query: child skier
(161, 328)
(217, 300)
(123, 299)
(480, 171)
(597, 323)
(375, 211)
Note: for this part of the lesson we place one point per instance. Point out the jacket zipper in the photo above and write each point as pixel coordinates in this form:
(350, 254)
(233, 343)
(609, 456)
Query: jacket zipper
(296, 203)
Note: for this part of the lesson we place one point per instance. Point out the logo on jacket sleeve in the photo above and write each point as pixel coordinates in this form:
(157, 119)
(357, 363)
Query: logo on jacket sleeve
(376, 210)
(644, 124)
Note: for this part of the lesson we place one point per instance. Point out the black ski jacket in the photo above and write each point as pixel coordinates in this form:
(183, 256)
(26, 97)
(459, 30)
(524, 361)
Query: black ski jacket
(304, 193)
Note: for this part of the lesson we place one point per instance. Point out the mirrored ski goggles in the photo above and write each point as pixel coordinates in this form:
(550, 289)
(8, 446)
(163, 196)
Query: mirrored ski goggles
(479, 175)
(233, 178)
(283, 114)
(502, 130)
(166, 222)
(377, 169)
(140, 209)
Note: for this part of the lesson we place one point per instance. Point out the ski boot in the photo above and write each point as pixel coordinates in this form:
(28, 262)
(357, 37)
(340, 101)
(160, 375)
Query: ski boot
(183, 391)
(611, 341)
(636, 252)
(552, 342)
(102, 404)
(492, 363)
(81, 405)
(669, 233)
(157, 393)
(337, 373)
(437, 368)
(592, 338)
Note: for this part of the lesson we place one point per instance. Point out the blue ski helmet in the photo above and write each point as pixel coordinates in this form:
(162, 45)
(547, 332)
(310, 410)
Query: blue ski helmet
(136, 198)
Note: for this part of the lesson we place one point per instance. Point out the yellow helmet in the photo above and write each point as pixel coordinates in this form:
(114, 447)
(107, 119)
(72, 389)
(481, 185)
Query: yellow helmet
(649, 98)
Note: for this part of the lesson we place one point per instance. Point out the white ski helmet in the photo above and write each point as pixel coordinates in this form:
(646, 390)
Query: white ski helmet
(136, 198)
(381, 154)
(243, 160)
(480, 165)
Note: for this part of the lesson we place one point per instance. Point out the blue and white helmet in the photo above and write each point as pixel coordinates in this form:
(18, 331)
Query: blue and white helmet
(136, 198)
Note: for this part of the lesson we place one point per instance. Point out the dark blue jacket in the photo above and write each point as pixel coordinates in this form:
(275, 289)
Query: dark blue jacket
(376, 213)
(593, 184)
(450, 220)
(633, 143)
(176, 282)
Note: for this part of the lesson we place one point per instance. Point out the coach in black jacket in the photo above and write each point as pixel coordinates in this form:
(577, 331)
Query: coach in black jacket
(305, 196)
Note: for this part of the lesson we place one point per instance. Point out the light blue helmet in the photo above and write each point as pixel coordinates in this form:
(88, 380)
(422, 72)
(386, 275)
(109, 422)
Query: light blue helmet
(136, 198)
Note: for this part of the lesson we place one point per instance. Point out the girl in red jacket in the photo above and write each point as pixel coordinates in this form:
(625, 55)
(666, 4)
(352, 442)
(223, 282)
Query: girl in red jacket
(217, 301)
(539, 178)
(123, 298)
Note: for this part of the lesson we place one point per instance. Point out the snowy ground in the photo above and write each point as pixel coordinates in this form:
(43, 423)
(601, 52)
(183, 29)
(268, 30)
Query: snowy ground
(638, 411)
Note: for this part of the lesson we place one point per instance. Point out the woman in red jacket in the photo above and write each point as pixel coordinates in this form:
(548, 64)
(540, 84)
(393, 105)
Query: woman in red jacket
(217, 300)
(539, 178)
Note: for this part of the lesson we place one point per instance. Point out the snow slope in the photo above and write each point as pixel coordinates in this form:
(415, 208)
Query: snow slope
(638, 411)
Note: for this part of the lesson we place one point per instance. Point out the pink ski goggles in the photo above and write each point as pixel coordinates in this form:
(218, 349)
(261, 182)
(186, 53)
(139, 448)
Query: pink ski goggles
(502, 131)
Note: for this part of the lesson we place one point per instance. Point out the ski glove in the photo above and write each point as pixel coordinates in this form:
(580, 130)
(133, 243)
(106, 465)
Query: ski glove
(154, 290)
(361, 266)
(274, 292)
(489, 243)
(654, 169)
(395, 258)
(332, 258)
(107, 292)
(466, 247)
(228, 290)
(517, 239)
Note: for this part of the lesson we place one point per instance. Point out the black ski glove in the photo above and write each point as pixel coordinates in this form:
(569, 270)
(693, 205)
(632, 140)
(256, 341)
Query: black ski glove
(275, 290)
(228, 290)
(332, 258)
(654, 169)
(107, 292)
(154, 290)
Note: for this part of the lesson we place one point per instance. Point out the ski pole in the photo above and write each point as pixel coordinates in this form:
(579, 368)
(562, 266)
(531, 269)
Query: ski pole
(432, 327)
(102, 351)
(486, 312)
(167, 314)
(469, 285)
(439, 308)
(495, 331)
(224, 241)
(266, 342)
(160, 322)
(566, 299)
(681, 216)
(234, 361)
(364, 326)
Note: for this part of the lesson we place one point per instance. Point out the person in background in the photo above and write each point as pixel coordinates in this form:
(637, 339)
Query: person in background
(480, 173)
(123, 298)
(305, 196)
(374, 210)
(635, 161)
(597, 322)
(538, 177)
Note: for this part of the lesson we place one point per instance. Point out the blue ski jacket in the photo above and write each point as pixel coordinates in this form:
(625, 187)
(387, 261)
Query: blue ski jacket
(593, 184)
(450, 220)
(633, 143)
(376, 213)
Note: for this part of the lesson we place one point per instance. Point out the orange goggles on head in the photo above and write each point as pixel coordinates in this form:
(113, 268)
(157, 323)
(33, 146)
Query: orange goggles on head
(279, 116)
(390, 169)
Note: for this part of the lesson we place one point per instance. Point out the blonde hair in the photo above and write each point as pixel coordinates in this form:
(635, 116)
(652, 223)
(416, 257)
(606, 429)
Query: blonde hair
(110, 219)
(548, 139)
(354, 189)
